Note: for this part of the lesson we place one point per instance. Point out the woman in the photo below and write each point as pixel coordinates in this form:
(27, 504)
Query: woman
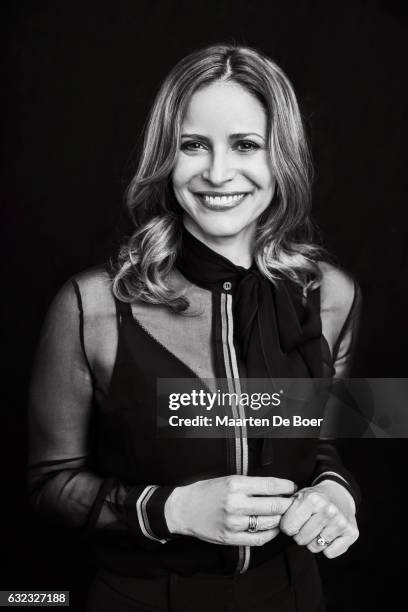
(219, 279)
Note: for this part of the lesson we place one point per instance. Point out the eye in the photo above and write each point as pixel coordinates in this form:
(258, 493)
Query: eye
(246, 146)
(192, 146)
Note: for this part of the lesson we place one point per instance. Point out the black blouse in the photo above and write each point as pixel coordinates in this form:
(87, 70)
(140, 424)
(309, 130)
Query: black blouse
(94, 460)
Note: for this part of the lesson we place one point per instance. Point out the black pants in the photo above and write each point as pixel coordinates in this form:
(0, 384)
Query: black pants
(290, 582)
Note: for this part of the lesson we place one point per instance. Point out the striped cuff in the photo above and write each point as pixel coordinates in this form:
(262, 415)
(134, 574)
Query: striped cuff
(149, 519)
(326, 475)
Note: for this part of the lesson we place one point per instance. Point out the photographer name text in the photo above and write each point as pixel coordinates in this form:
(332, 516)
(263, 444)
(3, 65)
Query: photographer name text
(225, 421)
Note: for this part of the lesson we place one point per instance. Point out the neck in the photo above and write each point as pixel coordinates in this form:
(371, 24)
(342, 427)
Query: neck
(237, 248)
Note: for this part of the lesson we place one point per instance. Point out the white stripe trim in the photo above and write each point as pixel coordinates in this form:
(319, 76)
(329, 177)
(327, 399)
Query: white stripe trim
(241, 441)
(230, 380)
(328, 473)
(238, 384)
(247, 556)
(234, 363)
(141, 504)
(224, 336)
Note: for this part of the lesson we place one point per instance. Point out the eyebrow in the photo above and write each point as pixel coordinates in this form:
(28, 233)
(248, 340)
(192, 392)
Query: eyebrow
(233, 136)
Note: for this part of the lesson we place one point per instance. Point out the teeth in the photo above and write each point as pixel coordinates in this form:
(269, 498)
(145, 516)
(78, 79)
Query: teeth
(222, 200)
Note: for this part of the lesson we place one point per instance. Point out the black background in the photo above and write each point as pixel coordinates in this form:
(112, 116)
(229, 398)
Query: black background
(77, 82)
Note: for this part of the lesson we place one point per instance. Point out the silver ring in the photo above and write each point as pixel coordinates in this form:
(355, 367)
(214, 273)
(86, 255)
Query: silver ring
(252, 523)
(320, 541)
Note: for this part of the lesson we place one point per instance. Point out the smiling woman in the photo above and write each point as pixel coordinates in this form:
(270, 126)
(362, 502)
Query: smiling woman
(223, 179)
(219, 280)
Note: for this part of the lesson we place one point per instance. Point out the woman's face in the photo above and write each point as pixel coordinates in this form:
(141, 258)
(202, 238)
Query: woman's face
(222, 177)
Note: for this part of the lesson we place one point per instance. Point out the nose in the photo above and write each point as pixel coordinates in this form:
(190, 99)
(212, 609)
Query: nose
(219, 169)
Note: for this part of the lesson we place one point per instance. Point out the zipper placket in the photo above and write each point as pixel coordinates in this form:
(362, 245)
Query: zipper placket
(234, 386)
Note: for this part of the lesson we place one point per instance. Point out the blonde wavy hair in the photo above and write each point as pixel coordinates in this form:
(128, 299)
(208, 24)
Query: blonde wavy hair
(283, 243)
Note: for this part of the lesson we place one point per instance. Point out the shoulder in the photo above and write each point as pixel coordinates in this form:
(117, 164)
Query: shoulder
(93, 282)
(97, 316)
(339, 294)
(87, 294)
(93, 289)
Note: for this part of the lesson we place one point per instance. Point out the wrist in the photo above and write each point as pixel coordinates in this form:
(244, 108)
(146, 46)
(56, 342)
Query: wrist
(172, 511)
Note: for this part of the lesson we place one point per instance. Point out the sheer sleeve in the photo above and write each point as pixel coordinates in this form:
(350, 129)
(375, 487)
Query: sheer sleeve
(62, 393)
(341, 311)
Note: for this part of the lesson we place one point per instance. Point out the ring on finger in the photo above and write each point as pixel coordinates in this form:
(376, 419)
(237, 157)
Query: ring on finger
(321, 541)
(252, 523)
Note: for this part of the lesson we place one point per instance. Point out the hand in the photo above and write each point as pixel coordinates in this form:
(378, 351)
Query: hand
(217, 510)
(325, 510)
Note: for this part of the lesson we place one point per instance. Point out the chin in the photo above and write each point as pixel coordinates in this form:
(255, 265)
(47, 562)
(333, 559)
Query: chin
(218, 229)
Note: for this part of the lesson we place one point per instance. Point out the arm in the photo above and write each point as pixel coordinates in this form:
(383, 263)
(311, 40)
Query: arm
(61, 483)
(341, 311)
(327, 508)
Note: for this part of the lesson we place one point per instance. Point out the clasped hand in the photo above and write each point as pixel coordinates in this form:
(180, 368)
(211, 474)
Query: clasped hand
(218, 510)
(322, 518)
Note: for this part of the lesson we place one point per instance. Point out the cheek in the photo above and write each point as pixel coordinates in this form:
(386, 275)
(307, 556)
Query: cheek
(260, 172)
(184, 170)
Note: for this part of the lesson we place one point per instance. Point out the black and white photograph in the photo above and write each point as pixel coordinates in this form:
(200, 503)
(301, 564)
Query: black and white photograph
(205, 270)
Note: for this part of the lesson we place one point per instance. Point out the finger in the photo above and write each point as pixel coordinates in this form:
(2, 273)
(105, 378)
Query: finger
(311, 529)
(305, 504)
(266, 485)
(338, 547)
(264, 506)
(241, 523)
(244, 538)
(296, 516)
(336, 528)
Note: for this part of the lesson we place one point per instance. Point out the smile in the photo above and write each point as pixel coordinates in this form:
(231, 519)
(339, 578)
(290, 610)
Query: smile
(221, 201)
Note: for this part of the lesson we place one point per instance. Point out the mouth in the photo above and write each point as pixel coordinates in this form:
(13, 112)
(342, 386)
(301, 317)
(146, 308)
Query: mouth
(221, 201)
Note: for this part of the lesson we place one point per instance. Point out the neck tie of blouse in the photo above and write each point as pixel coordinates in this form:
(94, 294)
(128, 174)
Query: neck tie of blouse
(277, 334)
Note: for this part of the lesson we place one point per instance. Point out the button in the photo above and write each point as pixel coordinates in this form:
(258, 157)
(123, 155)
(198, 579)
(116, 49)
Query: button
(227, 286)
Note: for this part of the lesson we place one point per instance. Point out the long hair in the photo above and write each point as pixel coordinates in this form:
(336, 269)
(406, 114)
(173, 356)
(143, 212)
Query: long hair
(283, 241)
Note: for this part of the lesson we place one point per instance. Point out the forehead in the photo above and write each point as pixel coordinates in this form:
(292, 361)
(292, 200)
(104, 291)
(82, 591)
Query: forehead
(224, 106)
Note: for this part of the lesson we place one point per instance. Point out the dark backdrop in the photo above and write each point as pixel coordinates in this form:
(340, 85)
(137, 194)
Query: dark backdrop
(78, 81)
